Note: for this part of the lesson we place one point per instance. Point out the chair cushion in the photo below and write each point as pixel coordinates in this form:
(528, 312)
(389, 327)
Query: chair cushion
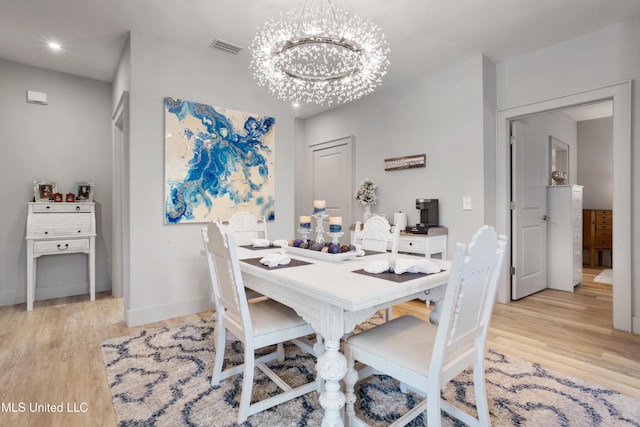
(270, 316)
(405, 341)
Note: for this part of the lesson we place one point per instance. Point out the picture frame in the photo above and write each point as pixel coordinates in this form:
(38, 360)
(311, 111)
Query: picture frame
(43, 191)
(406, 162)
(84, 191)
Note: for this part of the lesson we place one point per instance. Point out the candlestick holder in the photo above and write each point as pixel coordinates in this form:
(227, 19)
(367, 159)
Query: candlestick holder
(304, 233)
(335, 236)
(320, 227)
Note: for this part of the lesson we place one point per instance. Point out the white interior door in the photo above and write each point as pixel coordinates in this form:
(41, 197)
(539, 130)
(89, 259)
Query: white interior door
(529, 169)
(332, 180)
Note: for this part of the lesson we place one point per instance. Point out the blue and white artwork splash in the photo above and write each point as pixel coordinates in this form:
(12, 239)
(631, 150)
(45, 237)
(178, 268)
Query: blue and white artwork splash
(217, 162)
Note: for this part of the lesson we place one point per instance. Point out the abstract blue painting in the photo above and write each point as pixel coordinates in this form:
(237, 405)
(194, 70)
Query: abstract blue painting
(217, 162)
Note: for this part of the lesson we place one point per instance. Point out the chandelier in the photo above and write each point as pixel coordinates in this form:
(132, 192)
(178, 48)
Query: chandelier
(320, 54)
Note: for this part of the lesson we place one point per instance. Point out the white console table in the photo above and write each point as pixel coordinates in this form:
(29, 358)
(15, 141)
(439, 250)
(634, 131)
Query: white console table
(60, 228)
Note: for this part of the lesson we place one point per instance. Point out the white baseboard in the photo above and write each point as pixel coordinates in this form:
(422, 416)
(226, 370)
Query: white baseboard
(144, 315)
(19, 296)
(635, 325)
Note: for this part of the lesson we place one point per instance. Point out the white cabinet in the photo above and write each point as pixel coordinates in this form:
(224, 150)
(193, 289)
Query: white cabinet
(429, 244)
(564, 236)
(59, 228)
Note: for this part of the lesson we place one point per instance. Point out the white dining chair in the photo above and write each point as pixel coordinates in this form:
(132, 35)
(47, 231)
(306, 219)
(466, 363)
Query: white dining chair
(245, 227)
(257, 325)
(250, 294)
(376, 235)
(425, 357)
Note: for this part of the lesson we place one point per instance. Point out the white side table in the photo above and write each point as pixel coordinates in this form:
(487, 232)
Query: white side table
(60, 228)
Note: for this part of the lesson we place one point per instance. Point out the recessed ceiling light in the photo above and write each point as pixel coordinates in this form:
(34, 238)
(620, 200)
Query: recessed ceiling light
(55, 45)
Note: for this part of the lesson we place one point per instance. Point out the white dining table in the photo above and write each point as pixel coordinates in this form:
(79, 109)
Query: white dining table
(334, 299)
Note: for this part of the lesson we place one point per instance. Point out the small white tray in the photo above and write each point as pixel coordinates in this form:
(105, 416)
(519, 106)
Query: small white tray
(324, 256)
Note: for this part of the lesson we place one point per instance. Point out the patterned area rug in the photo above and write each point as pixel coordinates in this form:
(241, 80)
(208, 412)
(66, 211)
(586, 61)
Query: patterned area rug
(162, 377)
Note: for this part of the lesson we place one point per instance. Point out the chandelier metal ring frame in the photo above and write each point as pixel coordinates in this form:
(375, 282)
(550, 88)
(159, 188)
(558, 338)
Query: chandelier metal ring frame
(319, 55)
(319, 40)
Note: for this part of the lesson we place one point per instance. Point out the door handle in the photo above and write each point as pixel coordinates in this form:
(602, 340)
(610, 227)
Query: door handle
(545, 217)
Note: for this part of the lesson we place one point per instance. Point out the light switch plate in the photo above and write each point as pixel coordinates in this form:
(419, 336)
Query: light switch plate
(466, 203)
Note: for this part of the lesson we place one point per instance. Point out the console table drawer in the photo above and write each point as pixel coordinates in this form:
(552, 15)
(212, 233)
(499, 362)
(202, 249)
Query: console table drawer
(48, 207)
(49, 232)
(78, 207)
(412, 244)
(62, 246)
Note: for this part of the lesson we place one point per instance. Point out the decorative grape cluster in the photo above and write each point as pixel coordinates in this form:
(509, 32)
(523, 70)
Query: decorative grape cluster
(332, 248)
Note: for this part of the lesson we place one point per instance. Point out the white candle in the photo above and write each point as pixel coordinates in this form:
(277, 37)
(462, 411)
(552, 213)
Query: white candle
(319, 206)
(335, 224)
(305, 221)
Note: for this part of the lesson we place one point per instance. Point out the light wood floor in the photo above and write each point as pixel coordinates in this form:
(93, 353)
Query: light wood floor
(52, 354)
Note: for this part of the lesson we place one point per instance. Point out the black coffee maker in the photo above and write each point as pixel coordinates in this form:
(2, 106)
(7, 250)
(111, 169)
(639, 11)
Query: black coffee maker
(428, 215)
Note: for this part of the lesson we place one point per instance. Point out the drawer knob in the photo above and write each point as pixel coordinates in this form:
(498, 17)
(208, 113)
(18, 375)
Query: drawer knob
(77, 208)
(79, 231)
(46, 232)
(61, 248)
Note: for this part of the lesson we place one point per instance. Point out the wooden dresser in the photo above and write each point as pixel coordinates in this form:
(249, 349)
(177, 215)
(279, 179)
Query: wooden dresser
(597, 229)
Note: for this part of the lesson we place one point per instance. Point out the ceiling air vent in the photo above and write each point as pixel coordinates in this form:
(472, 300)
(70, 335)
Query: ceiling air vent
(225, 46)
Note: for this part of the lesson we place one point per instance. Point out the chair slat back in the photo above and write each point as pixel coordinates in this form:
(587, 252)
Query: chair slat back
(245, 227)
(231, 296)
(376, 234)
(212, 268)
(469, 297)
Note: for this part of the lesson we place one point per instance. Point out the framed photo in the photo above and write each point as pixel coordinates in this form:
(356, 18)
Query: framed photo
(43, 191)
(84, 192)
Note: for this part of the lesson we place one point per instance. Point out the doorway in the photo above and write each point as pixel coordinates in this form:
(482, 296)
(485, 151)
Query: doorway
(567, 147)
(620, 96)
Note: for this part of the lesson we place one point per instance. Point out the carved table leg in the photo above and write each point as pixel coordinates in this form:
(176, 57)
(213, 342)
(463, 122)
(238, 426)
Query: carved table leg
(331, 367)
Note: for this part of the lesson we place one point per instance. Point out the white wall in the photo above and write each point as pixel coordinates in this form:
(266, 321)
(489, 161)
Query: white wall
(594, 60)
(168, 273)
(440, 114)
(595, 162)
(66, 141)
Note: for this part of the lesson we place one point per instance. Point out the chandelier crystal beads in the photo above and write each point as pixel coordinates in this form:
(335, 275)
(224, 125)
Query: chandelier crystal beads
(320, 54)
